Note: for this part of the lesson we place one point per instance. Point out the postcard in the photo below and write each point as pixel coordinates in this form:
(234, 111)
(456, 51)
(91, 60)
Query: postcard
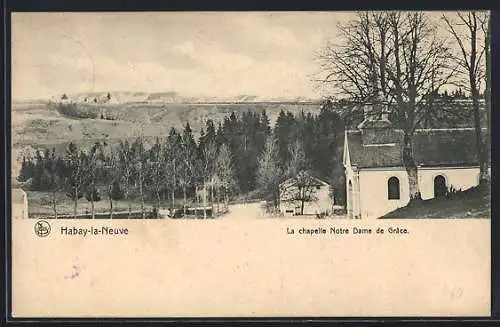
(251, 164)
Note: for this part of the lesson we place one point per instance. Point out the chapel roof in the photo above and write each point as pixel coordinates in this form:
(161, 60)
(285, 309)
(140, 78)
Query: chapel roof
(431, 147)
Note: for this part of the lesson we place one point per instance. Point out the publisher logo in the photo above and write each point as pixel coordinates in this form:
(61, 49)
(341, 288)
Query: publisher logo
(42, 228)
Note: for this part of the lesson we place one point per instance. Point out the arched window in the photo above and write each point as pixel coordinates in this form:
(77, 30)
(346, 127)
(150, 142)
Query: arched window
(439, 186)
(393, 188)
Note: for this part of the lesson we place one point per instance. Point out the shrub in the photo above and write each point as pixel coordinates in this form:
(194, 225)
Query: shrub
(116, 192)
(45, 200)
(452, 191)
(93, 195)
(71, 194)
(72, 110)
(322, 215)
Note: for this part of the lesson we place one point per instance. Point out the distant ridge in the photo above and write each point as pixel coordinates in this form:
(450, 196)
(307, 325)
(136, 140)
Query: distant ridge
(171, 97)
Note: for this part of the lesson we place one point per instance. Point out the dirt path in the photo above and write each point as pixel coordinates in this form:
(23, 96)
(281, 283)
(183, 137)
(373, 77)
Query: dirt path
(244, 211)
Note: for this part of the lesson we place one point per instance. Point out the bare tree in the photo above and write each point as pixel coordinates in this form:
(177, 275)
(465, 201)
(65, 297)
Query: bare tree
(76, 177)
(224, 172)
(186, 169)
(269, 174)
(471, 62)
(300, 188)
(157, 171)
(300, 185)
(486, 28)
(298, 161)
(140, 166)
(126, 166)
(93, 162)
(172, 156)
(111, 175)
(209, 152)
(393, 61)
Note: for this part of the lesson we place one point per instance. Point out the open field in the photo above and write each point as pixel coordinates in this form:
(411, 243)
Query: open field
(39, 124)
(39, 205)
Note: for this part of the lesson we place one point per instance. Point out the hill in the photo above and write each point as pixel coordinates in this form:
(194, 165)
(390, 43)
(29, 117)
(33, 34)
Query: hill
(124, 97)
(39, 125)
(472, 203)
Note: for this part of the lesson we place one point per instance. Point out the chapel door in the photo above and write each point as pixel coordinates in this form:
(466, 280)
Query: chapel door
(349, 200)
(439, 186)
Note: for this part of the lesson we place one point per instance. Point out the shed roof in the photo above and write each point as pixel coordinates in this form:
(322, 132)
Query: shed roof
(314, 182)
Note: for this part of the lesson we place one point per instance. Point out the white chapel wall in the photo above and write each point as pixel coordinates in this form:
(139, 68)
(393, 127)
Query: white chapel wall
(374, 200)
(460, 178)
(352, 198)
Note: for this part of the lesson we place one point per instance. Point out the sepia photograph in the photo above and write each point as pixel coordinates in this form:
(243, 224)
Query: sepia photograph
(238, 145)
(383, 114)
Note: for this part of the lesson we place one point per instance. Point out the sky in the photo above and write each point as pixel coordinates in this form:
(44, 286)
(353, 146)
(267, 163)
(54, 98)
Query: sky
(194, 54)
(267, 54)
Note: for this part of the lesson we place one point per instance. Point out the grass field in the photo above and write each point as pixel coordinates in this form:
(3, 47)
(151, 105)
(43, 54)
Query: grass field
(40, 205)
(38, 124)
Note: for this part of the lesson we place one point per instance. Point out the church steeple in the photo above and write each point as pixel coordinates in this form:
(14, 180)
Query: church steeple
(376, 128)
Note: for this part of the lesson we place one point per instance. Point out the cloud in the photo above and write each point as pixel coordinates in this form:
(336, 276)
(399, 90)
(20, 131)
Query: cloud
(186, 48)
(262, 30)
(213, 57)
(192, 53)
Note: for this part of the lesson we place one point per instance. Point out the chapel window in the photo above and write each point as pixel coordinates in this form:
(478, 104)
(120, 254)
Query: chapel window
(439, 186)
(393, 188)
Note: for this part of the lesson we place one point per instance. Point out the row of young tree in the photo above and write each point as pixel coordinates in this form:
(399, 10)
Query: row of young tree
(242, 154)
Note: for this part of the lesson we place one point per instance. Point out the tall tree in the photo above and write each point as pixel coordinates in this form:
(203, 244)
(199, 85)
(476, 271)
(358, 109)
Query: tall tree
(269, 174)
(187, 162)
(207, 161)
(26, 171)
(298, 161)
(93, 163)
(471, 62)
(111, 175)
(224, 172)
(283, 129)
(173, 161)
(140, 168)
(53, 177)
(157, 171)
(486, 28)
(75, 179)
(126, 166)
(394, 62)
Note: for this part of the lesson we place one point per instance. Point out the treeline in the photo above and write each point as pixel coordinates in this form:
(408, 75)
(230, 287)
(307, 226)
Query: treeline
(230, 157)
(75, 111)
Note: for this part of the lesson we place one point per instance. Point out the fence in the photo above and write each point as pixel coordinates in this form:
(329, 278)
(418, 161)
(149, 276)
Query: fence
(116, 215)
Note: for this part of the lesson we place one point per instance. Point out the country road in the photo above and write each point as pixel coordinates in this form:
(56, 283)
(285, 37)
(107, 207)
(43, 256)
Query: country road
(244, 211)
